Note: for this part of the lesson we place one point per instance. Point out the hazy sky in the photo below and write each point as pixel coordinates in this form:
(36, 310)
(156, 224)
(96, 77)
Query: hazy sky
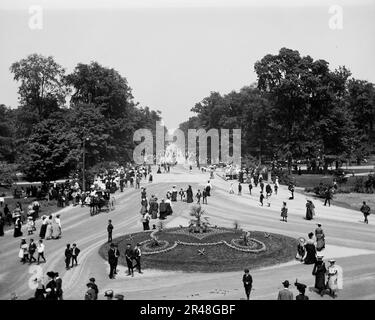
(174, 53)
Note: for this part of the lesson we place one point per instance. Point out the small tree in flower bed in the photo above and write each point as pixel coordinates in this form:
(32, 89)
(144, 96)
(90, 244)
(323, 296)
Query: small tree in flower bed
(199, 224)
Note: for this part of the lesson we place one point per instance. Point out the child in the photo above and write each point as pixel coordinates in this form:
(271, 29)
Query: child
(261, 198)
(284, 212)
(198, 195)
(30, 225)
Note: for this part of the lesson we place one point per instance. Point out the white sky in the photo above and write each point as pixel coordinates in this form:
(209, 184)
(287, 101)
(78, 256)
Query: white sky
(174, 57)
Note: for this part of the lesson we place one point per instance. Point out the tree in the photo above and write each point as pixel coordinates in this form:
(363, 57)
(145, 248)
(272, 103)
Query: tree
(52, 151)
(7, 133)
(42, 88)
(7, 173)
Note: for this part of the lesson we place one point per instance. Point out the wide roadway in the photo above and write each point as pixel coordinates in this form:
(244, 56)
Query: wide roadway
(349, 241)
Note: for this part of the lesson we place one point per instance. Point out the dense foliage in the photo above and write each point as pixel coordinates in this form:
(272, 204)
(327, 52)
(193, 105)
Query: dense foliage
(59, 115)
(299, 109)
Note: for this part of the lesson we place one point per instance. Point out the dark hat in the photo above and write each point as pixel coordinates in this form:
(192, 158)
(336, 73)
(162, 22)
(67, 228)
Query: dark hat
(51, 274)
(112, 245)
(108, 293)
(119, 296)
(92, 279)
(300, 286)
(319, 225)
(286, 283)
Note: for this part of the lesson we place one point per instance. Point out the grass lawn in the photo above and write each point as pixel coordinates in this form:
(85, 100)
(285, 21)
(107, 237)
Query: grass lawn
(217, 258)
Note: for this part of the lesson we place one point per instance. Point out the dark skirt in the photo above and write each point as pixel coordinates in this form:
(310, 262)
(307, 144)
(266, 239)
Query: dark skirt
(17, 232)
(43, 230)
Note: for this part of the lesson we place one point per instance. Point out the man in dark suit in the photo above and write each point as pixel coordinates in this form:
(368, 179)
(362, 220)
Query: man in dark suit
(111, 261)
(109, 230)
(117, 255)
(137, 257)
(59, 291)
(129, 259)
(75, 253)
(68, 256)
(247, 282)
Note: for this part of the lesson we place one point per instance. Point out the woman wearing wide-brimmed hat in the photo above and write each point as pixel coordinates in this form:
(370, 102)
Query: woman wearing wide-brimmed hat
(319, 271)
(334, 278)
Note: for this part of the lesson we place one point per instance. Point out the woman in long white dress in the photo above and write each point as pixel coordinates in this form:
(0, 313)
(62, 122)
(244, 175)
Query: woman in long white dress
(334, 280)
(49, 231)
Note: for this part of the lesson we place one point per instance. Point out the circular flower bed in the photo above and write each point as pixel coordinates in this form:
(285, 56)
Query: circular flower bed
(222, 249)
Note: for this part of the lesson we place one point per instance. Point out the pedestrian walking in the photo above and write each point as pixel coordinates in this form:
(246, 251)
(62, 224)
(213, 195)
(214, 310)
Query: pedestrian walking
(328, 197)
(68, 256)
(239, 189)
(109, 230)
(365, 209)
(250, 187)
(198, 196)
(204, 196)
(95, 287)
(75, 253)
(247, 282)
(32, 249)
(261, 198)
(41, 251)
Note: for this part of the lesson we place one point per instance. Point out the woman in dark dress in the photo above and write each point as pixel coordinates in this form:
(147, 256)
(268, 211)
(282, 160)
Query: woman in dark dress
(43, 228)
(189, 195)
(51, 287)
(309, 210)
(319, 271)
(17, 228)
(310, 250)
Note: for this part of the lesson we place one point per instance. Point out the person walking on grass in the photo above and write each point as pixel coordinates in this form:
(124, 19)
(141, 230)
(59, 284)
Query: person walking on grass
(247, 282)
(365, 209)
(284, 212)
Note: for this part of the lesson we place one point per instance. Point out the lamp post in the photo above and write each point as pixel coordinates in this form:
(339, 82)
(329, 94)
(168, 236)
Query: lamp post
(83, 165)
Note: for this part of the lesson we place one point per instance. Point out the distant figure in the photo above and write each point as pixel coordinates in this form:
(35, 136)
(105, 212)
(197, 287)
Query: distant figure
(109, 230)
(129, 259)
(137, 257)
(320, 238)
(284, 212)
(68, 256)
(261, 198)
(198, 196)
(231, 191)
(250, 187)
(75, 253)
(301, 251)
(239, 188)
(328, 197)
(309, 210)
(40, 249)
(189, 195)
(248, 283)
(111, 261)
(365, 209)
(285, 293)
(204, 196)
(291, 189)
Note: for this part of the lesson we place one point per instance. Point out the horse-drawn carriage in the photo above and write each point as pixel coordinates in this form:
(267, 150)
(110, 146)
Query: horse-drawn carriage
(99, 202)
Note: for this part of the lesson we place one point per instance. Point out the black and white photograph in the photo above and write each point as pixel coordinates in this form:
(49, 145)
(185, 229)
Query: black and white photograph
(187, 151)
